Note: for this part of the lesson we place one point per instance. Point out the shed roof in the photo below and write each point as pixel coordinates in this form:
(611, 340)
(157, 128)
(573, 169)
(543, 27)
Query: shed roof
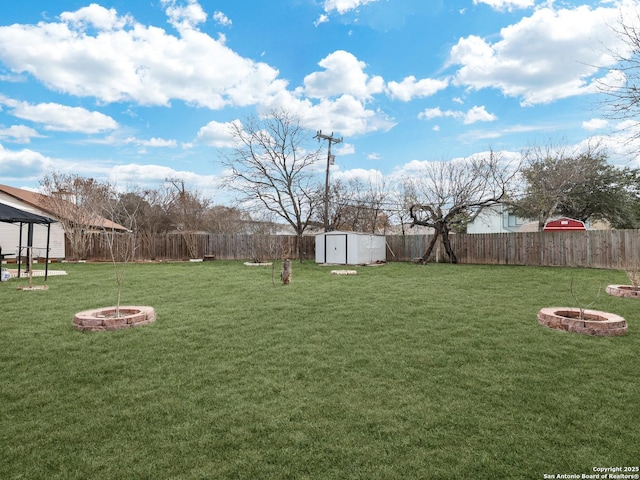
(348, 232)
(564, 224)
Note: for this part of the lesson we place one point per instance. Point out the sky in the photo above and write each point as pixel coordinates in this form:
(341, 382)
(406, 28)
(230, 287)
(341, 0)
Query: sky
(138, 92)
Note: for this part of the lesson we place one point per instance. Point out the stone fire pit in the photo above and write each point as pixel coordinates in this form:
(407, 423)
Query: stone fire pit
(101, 319)
(628, 291)
(593, 322)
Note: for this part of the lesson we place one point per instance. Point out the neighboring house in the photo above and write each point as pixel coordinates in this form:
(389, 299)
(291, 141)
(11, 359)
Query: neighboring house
(33, 202)
(498, 219)
(407, 229)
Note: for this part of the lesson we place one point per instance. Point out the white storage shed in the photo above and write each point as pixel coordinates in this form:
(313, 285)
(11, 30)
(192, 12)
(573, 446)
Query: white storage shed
(350, 248)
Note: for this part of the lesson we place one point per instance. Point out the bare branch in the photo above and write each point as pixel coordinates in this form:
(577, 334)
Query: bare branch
(271, 169)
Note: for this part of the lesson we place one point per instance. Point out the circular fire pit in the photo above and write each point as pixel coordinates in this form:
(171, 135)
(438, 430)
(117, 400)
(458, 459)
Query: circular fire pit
(101, 319)
(593, 322)
(628, 291)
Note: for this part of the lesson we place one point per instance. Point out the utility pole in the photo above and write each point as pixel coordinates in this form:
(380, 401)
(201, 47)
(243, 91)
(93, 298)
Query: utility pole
(182, 196)
(330, 161)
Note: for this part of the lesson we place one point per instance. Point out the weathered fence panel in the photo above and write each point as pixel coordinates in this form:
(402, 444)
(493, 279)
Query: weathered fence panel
(593, 248)
(176, 247)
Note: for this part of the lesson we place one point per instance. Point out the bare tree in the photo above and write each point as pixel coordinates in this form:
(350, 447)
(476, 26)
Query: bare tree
(272, 169)
(357, 205)
(398, 207)
(622, 85)
(223, 219)
(85, 206)
(124, 208)
(448, 194)
(188, 208)
(152, 214)
(75, 201)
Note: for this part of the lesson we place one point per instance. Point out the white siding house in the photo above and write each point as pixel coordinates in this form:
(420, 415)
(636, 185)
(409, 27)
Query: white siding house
(32, 202)
(497, 219)
(10, 233)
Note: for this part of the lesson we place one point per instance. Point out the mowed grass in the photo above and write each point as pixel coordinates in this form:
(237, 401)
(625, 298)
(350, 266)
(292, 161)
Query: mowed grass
(398, 372)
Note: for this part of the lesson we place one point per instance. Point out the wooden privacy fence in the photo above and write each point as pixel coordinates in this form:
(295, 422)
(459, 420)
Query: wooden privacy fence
(593, 248)
(173, 246)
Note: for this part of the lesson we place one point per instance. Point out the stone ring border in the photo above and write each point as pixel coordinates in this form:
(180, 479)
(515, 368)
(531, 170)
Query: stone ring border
(626, 291)
(595, 322)
(99, 319)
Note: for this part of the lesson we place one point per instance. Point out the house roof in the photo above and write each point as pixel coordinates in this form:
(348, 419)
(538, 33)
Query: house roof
(40, 202)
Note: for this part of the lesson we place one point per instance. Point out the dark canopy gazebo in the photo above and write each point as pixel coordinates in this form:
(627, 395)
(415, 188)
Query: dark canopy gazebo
(9, 214)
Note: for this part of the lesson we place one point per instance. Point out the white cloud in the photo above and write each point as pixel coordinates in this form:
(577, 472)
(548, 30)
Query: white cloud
(612, 81)
(473, 115)
(373, 177)
(343, 6)
(344, 149)
(409, 88)
(478, 134)
(478, 114)
(431, 113)
(416, 168)
(343, 74)
(506, 4)
(120, 60)
(217, 134)
(19, 134)
(96, 16)
(126, 61)
(549, 55)
(185, 16)
(346, 116)
(23, 164)
(595, 124)
(56, 117)
(152, 176)
(222, 19)
(153, 142)
(321, 19)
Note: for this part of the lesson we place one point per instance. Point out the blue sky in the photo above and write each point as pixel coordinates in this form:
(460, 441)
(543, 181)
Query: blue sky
(136, 92)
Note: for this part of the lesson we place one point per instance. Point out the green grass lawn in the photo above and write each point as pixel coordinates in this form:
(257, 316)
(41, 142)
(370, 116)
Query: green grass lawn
(399, 372)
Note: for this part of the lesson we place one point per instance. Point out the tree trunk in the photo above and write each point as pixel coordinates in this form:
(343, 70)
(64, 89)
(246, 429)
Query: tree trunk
(432, 243)
(447, 245)
(300, 246)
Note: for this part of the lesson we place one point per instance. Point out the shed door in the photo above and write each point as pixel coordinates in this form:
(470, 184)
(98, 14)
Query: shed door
(335, 249)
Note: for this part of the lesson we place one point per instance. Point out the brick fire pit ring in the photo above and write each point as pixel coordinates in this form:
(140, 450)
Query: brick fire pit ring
(627, 291)
(102, 319)
(594, 322)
